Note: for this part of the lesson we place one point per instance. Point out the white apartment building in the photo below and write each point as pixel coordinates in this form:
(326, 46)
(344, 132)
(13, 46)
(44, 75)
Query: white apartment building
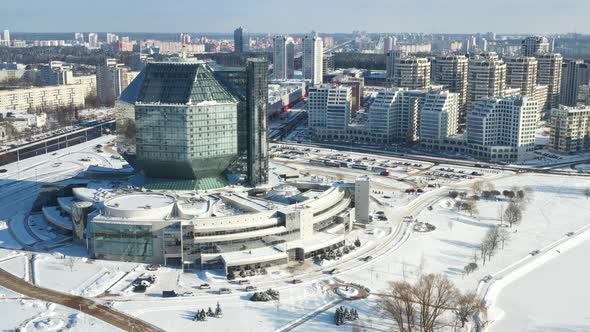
(411, 72)
(584, 95)
(502, 129)
(93, 40)
(521, 72)
(89, 83)
(44, 98)
(450, 71)
(439, 116)
(313, 56)
(549, 73)
(570, 129)
(486, 77)
(329, 109)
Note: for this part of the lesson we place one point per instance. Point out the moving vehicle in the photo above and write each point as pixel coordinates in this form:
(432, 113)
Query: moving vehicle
(205, 286)
(224, 291)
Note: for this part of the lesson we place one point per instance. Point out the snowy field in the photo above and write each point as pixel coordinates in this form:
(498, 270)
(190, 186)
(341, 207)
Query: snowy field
(562, 303)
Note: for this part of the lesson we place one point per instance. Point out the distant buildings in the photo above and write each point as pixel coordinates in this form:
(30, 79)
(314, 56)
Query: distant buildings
(570, 129)
(111, 79)
(283, 61)
(241, 40)
(313, 53)
(56, 73)
(79, 38)
(533, 45)
(93, 40)
(5, 40)
(45, 98)
(574, 74)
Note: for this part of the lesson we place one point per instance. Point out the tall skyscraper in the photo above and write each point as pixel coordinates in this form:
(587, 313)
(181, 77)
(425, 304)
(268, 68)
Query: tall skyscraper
(111, 79)
(257, 101)
(313, 54)
(290, 58)
(549, 73)
(279, 59)
(450, 71)
(486, 77)
(6, 37)
(111, 38)
(79, 38)
(93, 40)
(387, 44)
(521, 72)
(411, 72)
(533, 45)
(241, 40)
(575, 73)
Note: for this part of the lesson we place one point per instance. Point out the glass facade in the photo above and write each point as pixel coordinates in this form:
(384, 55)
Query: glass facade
(122, 241)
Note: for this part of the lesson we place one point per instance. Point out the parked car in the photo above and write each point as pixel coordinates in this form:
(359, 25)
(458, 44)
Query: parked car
(296, 281)
(170, 293)
(139, 289)
(251, 288)
(486, 278)
(3, 170)
(224, 291)
(243, 282)
(153, 267)
(368, 258)
(205, 286)
(334, 271)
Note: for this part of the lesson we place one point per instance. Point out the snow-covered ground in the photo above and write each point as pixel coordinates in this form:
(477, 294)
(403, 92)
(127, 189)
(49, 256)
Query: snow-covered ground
(562, 303)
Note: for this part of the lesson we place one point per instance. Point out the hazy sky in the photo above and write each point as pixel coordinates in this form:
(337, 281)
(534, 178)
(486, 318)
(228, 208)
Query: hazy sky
(500, 16)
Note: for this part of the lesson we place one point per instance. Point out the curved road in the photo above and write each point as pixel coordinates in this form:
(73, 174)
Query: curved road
(102, 312)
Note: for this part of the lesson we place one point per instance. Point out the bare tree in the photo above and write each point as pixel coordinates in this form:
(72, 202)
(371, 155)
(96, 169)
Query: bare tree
(400, 305)
(492, 240)
(70, 262)
(513, 214)
(503, 236)
(477, 187)
(469, 268)
(435, 294)
(489, 186)
(468, 304)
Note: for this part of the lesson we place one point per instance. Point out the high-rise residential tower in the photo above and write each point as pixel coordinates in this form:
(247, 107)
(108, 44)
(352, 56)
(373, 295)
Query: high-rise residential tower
(533, 45)
(241, 40)
(549, 73)
(290, 50)
(313, 54)
(450, 71)
(574, 74)
(486, 77)
(411, 72)
(521, 72)
(279, 59)
(111, 79)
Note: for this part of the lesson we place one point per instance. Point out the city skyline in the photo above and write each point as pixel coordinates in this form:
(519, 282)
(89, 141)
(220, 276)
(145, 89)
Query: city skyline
(427, 16)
